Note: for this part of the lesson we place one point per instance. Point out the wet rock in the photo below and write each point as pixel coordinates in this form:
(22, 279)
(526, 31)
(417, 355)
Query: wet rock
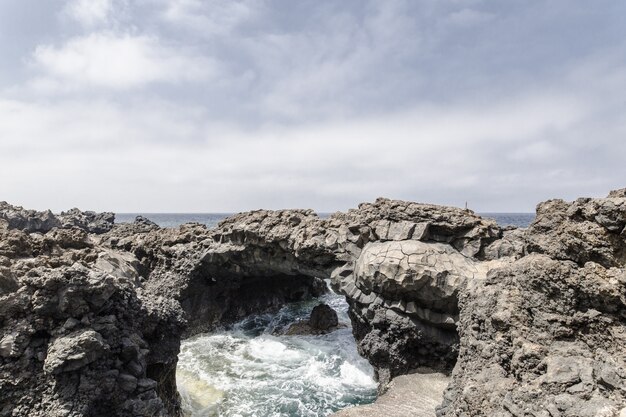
(323, 317)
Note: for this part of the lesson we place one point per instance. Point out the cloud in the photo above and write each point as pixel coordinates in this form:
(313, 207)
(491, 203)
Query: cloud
(118, 61)
(469, 17)
(189, 105)
(100, 156)
(209, 18)
(89, 13)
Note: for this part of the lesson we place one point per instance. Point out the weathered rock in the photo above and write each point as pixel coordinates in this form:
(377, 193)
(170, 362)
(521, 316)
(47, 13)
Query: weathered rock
(145, 221)
(531, 320)
(582, 231)
(88, 221)
(61, 344)
(537, 335)
(32, 221)
(7, 281)
(73, 351)
(28, 220)
(512, 244)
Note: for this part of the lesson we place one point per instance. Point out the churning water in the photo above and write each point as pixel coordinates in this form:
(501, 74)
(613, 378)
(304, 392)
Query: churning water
(254, 370)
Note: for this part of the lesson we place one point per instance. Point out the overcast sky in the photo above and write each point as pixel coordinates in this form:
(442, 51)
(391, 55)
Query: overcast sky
(222, 106)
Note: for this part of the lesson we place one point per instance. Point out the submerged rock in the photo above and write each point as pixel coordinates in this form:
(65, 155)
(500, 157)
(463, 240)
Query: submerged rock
(323, 317)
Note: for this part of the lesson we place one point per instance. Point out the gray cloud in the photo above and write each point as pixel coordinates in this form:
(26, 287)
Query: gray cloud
(191, 105)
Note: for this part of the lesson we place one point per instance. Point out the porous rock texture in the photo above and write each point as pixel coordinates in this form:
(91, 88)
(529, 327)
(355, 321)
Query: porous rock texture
(92, 313)
(532, 322)
(545, 335)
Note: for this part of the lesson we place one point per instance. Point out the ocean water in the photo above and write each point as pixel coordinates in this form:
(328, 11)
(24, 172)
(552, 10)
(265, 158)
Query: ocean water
(174, 219)
(511, 219)
(212, 219)
(252, 369)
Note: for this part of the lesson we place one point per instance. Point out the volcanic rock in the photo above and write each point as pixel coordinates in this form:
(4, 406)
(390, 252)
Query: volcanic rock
(528, 321)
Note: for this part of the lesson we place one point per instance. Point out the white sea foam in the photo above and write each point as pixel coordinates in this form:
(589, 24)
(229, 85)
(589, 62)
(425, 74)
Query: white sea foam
(250, 372)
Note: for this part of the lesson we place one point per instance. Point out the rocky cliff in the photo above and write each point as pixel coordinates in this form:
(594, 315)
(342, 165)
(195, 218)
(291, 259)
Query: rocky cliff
(529, 322)
(545, 335)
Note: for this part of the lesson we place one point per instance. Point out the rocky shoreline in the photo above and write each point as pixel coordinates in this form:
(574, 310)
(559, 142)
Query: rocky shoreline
(528, 322)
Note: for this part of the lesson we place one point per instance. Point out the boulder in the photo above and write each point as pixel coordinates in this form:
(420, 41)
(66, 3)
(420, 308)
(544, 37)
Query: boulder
(88, 221)
(30, 221)
(323, 317)
(73, 351)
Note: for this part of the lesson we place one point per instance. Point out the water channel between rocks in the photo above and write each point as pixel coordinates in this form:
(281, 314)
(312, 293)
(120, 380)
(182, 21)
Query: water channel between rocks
(252, 369)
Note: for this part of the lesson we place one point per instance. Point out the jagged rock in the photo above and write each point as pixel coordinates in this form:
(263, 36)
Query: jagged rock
(531, 320)
(88, 221)
(582, 231)
(323, 317)
(32, 221)
(512, 244)
(27, 220)
(64, 323)
(141, 220)
(73, 351)
(67, 238)
(536, 336)
(621, 193)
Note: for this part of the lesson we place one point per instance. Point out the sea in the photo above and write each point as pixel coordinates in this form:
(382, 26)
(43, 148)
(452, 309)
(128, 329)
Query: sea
(252, 369)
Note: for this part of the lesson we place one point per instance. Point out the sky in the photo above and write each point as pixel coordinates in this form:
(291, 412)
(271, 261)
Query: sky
(225, 106)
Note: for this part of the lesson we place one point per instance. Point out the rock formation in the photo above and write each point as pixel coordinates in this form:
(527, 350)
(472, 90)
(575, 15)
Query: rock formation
(529, 322)
(545, 335)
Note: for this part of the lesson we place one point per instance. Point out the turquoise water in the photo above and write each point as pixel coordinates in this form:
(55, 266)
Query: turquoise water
(252, 369)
